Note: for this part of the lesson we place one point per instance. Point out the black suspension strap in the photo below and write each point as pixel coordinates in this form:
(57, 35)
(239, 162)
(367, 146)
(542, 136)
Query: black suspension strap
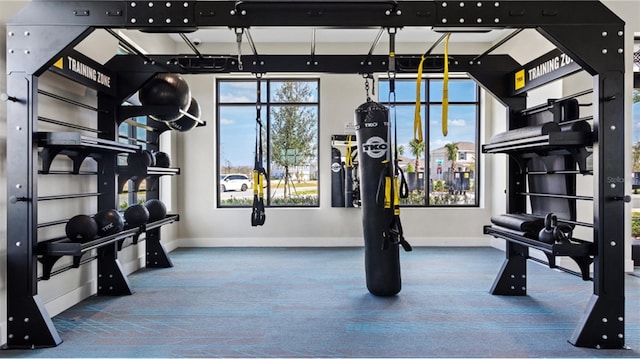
(258, 216)
(393, 181)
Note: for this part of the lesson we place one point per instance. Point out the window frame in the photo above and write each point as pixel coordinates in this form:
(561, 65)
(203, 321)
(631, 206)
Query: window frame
(426, 105)
(267, 103)
(132, 137)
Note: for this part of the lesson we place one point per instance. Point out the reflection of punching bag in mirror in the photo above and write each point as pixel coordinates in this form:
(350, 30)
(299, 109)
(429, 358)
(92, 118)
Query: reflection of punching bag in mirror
(382, 266)
(337, 179)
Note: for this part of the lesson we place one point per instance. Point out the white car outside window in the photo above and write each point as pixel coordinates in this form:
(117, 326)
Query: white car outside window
(234, 182)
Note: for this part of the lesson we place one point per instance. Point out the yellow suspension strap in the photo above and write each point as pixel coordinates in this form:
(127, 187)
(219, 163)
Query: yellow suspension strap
(258, 216)
(348, 161)
(348, 175)
(445, 89)
(417, 121)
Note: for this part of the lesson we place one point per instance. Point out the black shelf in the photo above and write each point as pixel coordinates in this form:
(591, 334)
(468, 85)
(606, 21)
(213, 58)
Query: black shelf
(543, 143)
(137, 175)
(148, 227)
(50, 251)
(77, 147)
(578, 250)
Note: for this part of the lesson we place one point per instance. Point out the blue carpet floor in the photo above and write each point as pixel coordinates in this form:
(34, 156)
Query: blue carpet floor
(312, 302)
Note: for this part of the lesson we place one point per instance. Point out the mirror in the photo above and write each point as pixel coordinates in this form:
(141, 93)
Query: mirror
(345, 184)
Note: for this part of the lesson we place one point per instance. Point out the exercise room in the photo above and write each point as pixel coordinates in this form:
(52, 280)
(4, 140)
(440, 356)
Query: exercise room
(319, 179)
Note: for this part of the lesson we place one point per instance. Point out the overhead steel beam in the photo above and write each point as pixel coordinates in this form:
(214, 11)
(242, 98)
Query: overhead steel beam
(185, 16)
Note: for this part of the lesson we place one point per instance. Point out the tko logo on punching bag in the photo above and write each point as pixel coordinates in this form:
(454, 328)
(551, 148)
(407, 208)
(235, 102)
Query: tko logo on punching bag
(375, 147)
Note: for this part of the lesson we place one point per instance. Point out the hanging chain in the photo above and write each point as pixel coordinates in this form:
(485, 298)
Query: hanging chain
(366, 87)
(366, 78)
(239, 32)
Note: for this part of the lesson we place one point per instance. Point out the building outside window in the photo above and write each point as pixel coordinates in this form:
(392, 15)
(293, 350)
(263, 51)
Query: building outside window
(289, 115)
(448, 176)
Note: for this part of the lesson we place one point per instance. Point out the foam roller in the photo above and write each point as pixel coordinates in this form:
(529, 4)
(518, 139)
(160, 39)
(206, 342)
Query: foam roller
(526, 132)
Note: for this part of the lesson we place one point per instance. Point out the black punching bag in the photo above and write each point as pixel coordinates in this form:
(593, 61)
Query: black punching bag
(337, 179)
(382, 265)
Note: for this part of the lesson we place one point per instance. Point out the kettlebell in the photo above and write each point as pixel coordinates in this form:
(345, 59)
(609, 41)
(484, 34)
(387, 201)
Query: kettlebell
(563, 233)
(546, 234)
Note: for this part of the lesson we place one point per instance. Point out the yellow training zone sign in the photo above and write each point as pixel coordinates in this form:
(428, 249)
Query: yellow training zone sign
(519, 80)
(548, 67)
(86, 71)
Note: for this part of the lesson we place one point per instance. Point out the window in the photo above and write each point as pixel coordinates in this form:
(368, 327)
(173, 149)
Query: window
(635, 113)
(448, 177)
(132, 131)
(289, 114)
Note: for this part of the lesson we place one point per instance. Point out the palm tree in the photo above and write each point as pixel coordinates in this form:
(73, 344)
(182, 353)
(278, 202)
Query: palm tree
(417, 148)
(452, 154)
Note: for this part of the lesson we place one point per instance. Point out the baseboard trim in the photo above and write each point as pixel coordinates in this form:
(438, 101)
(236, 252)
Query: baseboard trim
(326, 242)
(68, 300)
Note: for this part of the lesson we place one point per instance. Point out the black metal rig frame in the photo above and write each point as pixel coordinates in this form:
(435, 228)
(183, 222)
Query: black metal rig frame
(585, 30)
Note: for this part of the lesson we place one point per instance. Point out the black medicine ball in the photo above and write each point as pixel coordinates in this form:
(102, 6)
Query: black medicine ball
(109, 222)
(186, 123)
(141, 159)
(157, 209)
(166, 89)
(162, 159)
(136, 215)
(81, 228)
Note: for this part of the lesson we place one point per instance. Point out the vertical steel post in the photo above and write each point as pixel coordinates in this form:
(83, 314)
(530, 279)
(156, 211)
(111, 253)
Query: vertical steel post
(111, 278)
(602, 324)
(28, 323)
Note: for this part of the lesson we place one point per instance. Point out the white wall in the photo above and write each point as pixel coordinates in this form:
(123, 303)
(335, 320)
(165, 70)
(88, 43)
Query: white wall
(202, 224)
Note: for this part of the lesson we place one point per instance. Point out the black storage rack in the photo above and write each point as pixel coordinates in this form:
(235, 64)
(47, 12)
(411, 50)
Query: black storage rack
(50, 251)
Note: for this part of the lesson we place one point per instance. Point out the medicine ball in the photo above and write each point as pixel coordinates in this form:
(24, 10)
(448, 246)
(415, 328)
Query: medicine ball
(81, 228)
(163, 90)
(162, 159)
(109, 222)
(186, 123)
(157, 209)
(141, 159)
(136, 215)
